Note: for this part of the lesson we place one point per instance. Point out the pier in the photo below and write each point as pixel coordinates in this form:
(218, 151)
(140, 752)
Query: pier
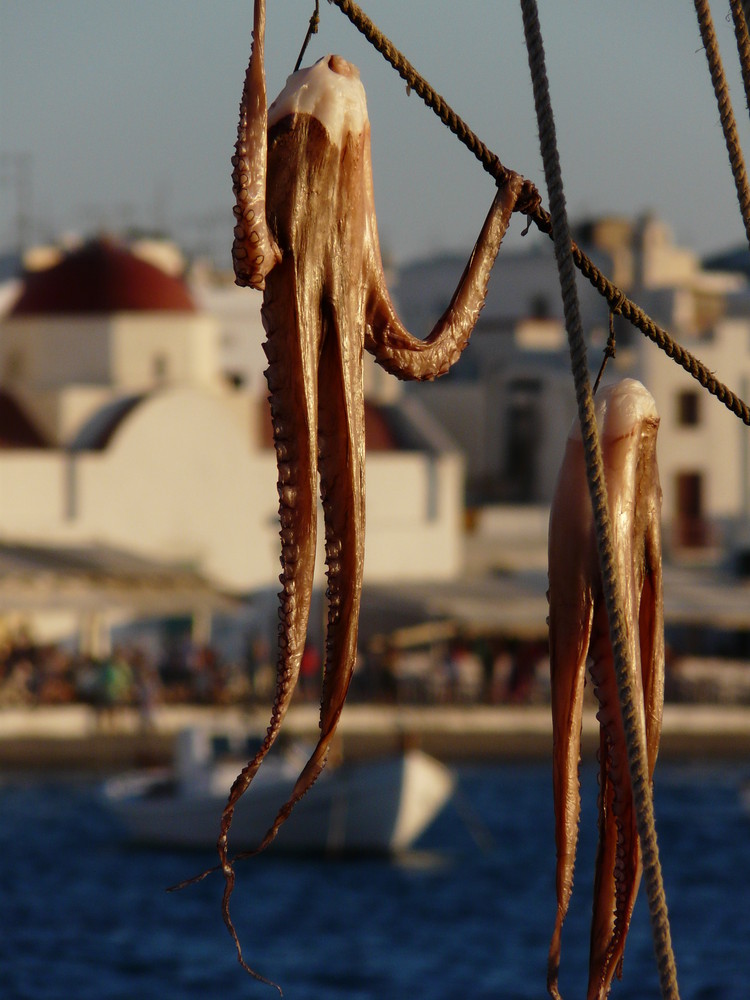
(73, 738)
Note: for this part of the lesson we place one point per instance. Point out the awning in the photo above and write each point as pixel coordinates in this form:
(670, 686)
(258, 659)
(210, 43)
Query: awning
(97, 584)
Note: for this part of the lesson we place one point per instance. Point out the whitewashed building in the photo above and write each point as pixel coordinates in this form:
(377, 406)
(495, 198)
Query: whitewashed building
(120, 425)
(510, 400)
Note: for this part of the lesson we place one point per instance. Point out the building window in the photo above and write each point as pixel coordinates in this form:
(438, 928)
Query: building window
(691, 527)
(522, 437)
(688, 408)
(539, 307)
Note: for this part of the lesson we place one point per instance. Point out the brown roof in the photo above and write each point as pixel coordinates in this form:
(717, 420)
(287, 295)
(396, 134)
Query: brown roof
(101, 277)
(16, 429)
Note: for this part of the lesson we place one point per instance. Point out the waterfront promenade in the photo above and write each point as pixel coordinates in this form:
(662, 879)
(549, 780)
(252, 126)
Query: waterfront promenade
(75, 738)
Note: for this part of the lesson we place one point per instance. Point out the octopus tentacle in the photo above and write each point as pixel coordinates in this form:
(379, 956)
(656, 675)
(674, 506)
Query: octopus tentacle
(603, 917)
(404, 355)
(291, 349)
(254, 251)
(570, 624)
(618, 866)
(294, 415)
(651, 629)
(579, 629)
(342, 474)
(341, 466)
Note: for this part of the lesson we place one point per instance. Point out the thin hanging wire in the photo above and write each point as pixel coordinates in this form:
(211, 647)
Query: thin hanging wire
(632, 722)
(728, 123)
(530, 204)
(610, 351)
(312, 29)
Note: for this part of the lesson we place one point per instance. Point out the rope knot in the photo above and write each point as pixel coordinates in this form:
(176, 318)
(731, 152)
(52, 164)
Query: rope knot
(529, 200)
(617, 302)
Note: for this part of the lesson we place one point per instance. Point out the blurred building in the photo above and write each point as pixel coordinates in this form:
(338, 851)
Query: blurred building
(510, 401)
(127, 421)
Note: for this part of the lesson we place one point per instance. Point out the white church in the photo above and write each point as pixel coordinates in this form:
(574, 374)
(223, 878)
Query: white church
(120, 427)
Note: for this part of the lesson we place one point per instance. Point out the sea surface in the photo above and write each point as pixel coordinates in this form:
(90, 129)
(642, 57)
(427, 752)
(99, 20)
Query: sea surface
(466, 914)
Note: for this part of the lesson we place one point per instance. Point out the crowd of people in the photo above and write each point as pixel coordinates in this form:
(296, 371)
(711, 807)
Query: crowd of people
(48, 674)
(460, 671)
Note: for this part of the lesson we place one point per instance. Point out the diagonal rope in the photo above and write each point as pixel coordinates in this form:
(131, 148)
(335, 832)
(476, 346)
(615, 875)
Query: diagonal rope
(634, 731)
(743, 44)
(530, 197)
(530, 204)
(728, 123)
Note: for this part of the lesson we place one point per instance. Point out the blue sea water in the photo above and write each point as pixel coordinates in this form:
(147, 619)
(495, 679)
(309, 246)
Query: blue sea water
(469, 913)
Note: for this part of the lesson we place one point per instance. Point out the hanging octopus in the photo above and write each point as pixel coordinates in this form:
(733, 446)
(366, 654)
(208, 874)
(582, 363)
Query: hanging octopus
(306, 235)
(579, 631)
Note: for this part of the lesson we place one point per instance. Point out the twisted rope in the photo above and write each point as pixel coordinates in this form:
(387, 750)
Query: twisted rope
(634, 730)
(620, 304)
(529, 198)
(530, 204)
(743, 44)
(728, 123)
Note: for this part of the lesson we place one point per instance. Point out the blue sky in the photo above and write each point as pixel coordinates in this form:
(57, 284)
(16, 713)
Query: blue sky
(126, 110)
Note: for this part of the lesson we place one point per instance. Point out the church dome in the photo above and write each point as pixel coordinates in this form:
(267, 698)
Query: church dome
(101, 277)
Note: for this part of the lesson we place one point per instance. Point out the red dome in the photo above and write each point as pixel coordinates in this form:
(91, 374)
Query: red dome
(101, 277)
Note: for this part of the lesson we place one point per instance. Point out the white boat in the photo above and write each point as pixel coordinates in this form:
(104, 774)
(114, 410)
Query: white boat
(377, 806)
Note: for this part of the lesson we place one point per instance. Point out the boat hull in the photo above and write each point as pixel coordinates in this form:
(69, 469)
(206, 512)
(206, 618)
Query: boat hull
(381, 806)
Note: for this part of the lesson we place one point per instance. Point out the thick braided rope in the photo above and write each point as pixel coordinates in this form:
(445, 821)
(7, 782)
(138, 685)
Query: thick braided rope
(620, 304)
(634, 731)
(728, 123)
(530, 204)
(743, 44)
